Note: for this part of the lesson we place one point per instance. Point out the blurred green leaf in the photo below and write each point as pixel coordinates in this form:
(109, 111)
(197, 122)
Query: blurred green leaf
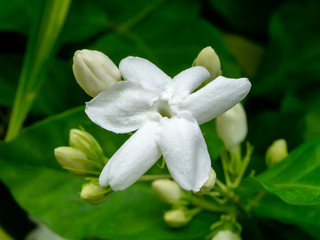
(48, 192)
(247, 53)
(85, 20)
(293, 58)
(306, 217)
(248, 15)
(295, 179)
(17, 15)
(9, 77)
(171, 36)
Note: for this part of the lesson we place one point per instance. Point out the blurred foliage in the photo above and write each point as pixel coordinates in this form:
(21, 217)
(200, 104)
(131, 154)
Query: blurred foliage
(275, 43)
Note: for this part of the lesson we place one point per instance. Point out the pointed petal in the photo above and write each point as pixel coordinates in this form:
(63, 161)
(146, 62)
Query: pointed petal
(121, 108)
(216, 98)
(185, 151)
(143, 72)
(132, 160)
(187, 81)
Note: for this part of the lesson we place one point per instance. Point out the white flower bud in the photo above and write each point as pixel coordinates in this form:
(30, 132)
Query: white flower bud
(226, 235)
(208, 59)
(93, 193)
(232, 127)
(85, 142)
(94, 71)
(75, 161)
(276, 152)
(167, 190)
(209, 184)
(177, 218)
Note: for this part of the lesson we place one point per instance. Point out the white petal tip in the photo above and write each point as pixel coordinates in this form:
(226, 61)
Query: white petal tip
(103, 181)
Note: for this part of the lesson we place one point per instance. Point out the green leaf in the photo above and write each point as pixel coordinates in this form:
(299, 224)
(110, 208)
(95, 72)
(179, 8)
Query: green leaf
(306, 217)
(171, 37)
(247, 15)
(292, 60)
(48, 192)
(296, 179)
(17, 15)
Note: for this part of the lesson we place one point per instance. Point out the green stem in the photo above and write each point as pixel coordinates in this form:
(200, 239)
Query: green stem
(195, 211)
(154, 177)
(255, 202)
(4, 235)
(224, 160)
(244, 166)
(139, 16)
(36, 62)
(209, 206)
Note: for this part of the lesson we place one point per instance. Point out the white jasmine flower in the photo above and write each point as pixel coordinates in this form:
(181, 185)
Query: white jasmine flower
(166, 115)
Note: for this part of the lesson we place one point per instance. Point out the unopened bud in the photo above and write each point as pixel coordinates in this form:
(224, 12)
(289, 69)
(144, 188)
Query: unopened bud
(85, 142)
(167, 190)
(232, 127)
(93, 193)
(76, 161)
(276, 152)
(208, 59)
(226, 235)
(177, 218)
(209, 184)
(94, 71)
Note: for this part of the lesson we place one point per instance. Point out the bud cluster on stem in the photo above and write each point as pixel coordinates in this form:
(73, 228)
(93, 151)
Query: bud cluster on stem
(84, 157)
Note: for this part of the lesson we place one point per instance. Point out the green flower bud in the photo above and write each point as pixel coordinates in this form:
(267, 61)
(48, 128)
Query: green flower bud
(85, 142)
(208, 59)
(76, 161)
(232, 127)
(177, 218)
(167, 190)
(94, 71)
(93, 193)
(209, 184)
(276, 152)
(226, 235)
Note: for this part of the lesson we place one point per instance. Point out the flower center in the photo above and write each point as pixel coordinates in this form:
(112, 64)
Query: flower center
(162, 106)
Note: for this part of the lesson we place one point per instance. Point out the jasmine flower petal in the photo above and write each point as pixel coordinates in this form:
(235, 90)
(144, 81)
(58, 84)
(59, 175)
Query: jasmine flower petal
(121, 108)
(143, 72)
(215, 98)
(185, 151)
(187, 81)
(135, 157)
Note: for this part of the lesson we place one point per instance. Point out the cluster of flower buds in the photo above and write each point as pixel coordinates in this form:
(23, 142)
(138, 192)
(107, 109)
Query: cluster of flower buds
(84, 156)
(168, 191)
